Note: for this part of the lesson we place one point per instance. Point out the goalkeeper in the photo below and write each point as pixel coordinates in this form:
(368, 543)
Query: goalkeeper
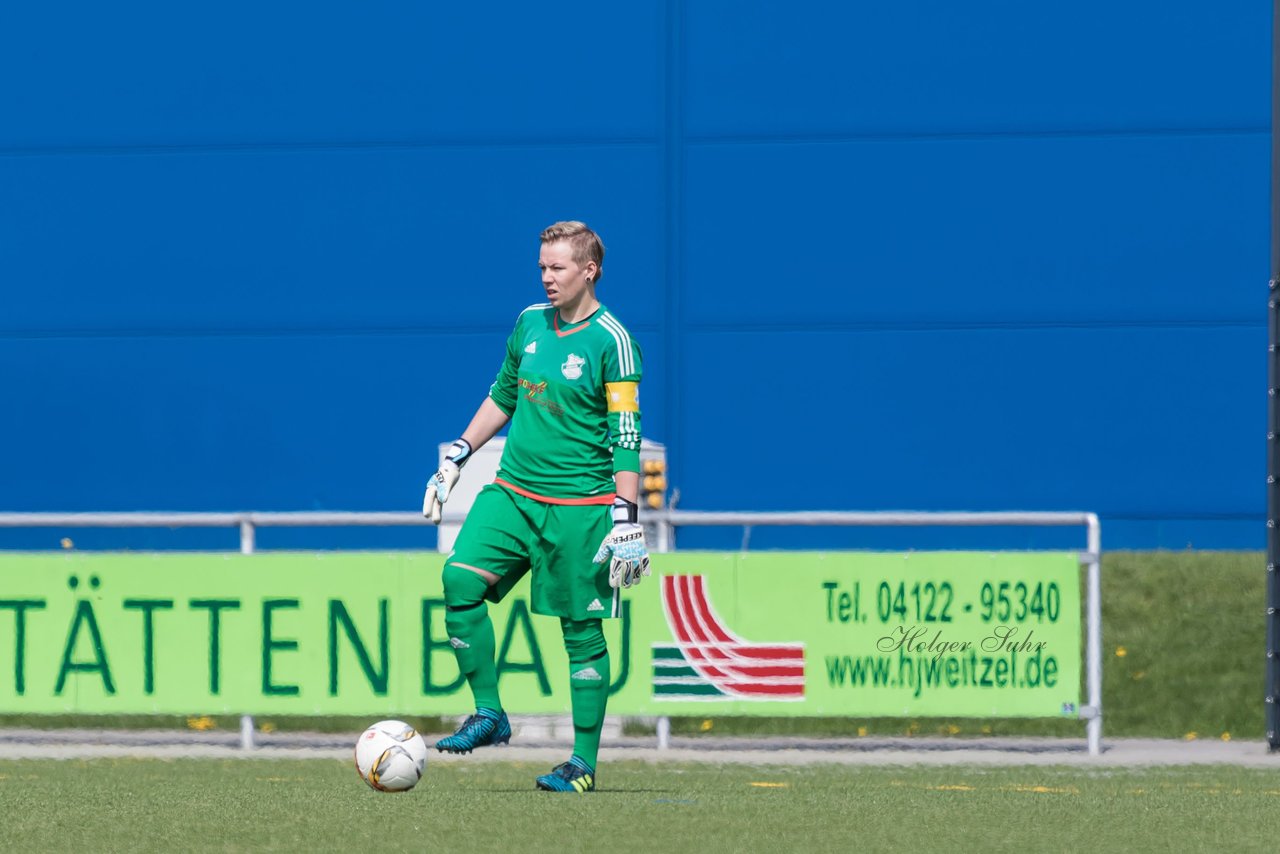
(563, 505)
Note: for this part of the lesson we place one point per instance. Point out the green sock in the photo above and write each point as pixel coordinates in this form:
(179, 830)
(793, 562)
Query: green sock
(588, 684)
(471, 633)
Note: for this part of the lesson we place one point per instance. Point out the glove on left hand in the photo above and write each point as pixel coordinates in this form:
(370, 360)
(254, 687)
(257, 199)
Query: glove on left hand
(443, 480)
(624, 547)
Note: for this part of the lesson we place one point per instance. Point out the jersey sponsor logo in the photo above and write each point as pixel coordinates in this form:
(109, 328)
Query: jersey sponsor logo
(572, 367)
(532, 348)
(589, 674)
(595, 605)
(708, 661)
(459, 643)
(531, 388)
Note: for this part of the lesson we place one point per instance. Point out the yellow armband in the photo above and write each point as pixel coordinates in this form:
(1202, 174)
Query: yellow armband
(623, 397)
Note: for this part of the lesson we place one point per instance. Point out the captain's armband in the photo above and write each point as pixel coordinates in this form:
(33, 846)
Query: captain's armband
(622, 397)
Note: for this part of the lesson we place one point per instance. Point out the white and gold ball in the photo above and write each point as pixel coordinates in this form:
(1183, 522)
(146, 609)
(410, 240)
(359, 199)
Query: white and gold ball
(390, 756)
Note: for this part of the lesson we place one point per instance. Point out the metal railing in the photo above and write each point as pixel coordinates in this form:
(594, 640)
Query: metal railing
(248, 523)
(667, 521)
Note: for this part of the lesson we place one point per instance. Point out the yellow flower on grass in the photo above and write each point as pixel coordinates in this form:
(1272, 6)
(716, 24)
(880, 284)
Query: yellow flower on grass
(707, 725)
(862, 732)
(1226, 736)
(1191, 736)
(1121, 652)
(201, 723)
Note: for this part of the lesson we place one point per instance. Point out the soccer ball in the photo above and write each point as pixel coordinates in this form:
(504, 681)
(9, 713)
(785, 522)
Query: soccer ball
(390, 756)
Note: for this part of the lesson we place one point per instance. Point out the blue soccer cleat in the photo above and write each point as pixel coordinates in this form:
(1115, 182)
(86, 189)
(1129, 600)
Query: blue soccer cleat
(571, 776)
(483, 728)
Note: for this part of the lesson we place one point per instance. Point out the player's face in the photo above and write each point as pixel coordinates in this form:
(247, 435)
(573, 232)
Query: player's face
(566, 283)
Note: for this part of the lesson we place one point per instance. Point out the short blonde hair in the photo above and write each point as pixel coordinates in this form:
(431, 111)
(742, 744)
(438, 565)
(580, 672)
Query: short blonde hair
(586, 244)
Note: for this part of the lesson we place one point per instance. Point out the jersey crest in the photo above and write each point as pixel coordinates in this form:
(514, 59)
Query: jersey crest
(572, 367)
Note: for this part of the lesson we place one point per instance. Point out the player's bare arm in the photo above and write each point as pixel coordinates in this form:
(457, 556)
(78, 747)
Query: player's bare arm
(627, 484)
(486, 423)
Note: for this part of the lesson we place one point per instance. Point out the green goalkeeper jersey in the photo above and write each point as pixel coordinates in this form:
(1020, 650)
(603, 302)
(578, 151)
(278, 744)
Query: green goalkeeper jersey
(572, 393)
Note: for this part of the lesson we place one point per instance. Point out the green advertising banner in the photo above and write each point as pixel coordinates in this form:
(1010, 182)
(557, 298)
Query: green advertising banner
(848, 633)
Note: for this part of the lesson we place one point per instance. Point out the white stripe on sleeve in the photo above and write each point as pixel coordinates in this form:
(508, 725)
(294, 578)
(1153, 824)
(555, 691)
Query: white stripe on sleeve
(626, 359)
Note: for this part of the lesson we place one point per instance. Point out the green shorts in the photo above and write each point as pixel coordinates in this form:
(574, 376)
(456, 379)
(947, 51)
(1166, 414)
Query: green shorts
(509, 534)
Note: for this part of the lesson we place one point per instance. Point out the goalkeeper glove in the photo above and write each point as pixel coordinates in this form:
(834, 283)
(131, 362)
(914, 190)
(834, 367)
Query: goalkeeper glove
(442, 481)
(624, 548)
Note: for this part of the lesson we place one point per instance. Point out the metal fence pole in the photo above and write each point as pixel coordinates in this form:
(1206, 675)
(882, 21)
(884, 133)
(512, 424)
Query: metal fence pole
(1093, 642)
(247, 541)
(664, 733)
(246, 732)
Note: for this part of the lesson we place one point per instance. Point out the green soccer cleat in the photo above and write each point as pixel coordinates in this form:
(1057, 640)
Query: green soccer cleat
(483, 728)
(571, 776)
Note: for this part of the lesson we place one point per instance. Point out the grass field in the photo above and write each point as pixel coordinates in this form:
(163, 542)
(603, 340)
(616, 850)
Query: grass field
(294, 805)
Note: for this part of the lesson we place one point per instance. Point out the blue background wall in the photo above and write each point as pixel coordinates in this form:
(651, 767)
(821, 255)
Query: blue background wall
(999, 257)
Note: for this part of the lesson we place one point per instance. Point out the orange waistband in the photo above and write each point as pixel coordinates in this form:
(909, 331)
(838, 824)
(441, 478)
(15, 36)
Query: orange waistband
(547, 499)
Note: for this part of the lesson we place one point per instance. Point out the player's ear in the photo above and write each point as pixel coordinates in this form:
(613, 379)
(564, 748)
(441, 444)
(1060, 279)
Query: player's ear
(591, 271)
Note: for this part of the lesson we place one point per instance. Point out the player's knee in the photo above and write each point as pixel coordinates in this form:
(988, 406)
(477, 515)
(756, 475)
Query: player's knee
(583, 639)
(462, 587)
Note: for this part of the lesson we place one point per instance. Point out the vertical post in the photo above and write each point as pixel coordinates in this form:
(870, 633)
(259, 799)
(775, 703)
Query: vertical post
(669, 529)
(246, 732)
(664, 733)
(1093, 640)
(662, 537)
(1271, 685)
(246, 536)
(673, 205)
